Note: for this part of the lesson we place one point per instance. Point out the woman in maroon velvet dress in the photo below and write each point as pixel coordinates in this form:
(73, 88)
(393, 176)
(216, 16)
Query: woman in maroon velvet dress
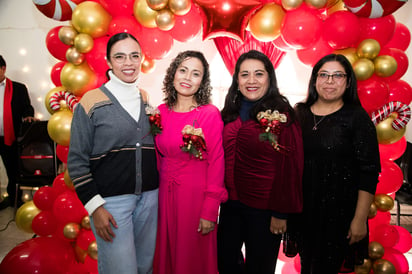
(263, 168)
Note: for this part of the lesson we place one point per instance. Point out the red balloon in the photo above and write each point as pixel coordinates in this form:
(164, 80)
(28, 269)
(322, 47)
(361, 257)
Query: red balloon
(301, 27)
(341, 30)
(282, 256)
(226, 17)
(96, 58)
(392, 151)
(39, 255)
(187, 26)
(311, 55)
(380, 218)
(68, 209)
(90, 264)
(401, 60)
(401, 91)
(390, 178)
(386, 235)
(401, 38)
(44, 198)
(124, 23)
(373, 93)
(289, 268)
(230, 50)
(405, 240)
(44, 224)
(398, 260)
(118, 7)
(381, 29)
(59, 185)
(156, 44)
(56, 47)
(280, 44)
(297, 263)
(84, 238)
(55, 73)
(62, 152)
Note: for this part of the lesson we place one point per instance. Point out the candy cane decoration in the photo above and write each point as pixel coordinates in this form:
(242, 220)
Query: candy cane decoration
(69, 98)
(403, 111)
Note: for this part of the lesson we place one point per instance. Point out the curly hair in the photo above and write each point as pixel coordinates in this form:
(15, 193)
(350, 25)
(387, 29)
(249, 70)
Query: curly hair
(202, 96)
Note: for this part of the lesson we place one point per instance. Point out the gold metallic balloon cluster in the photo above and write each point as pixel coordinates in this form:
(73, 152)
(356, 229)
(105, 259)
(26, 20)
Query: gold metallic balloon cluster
(375, 261)
(160, 13)
(265, 25)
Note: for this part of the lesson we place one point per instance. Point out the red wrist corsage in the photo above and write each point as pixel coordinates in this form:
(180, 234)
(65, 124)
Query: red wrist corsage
(193, 141)
(270, 123)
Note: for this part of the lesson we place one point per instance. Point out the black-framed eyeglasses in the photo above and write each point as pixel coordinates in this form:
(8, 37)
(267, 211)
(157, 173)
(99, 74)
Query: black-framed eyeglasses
(121, 58)
(337, 77)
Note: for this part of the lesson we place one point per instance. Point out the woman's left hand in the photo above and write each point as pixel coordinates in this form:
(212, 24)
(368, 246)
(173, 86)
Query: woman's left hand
(277, 226)
(205, 226)
(357, 231)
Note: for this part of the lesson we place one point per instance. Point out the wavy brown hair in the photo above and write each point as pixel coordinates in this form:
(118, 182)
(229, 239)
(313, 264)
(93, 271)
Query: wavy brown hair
(202, 96)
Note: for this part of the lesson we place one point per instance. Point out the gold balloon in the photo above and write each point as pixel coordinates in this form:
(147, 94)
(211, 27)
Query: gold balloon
(291, 4)
(334, 6)
(50, 94)
(365, 268)
(165, 19)
(86, 222)
(317, 4)
(74, 57)
(386, 133)
(382, 266)
(67, 181)
(180, 7)
(375, 250)
(77, 79)
(92, 250)
(67, 35)
(83, 42)
(369, 48)
(349, 53)
(144, 14)
(373, 210)
(25, 215)
(91, 18)
(59, 126)
(71, 231)
(384, 202)
(385, 65)
(157, 4)
(148, 65)
(265, 24)
(363, 68)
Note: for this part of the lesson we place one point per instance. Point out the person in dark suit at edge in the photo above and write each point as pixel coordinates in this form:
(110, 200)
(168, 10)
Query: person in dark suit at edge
(15, 108)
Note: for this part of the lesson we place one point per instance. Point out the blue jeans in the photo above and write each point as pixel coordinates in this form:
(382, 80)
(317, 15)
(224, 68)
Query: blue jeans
(132, 249)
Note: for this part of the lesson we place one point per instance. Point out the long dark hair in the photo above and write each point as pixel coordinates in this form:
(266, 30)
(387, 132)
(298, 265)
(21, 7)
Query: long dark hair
(202, 96)
(350, 96)
(113, 40)
(271, 100)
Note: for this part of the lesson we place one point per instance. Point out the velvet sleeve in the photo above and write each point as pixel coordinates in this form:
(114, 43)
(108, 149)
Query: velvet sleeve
(215, 193)
(286, 195)
(366, 147)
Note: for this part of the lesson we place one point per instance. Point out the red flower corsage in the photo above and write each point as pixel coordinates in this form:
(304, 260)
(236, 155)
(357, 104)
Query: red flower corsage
(154, 120)
(270, 122)
(193, 141)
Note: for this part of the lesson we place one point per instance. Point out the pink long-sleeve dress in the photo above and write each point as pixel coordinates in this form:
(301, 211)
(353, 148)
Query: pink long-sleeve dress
(189, 189)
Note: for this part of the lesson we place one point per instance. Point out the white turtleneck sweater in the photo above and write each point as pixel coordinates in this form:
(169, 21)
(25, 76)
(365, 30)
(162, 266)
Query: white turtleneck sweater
(127, 94)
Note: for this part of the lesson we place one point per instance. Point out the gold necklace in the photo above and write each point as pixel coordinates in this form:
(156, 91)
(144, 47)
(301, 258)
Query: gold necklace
(316, 123)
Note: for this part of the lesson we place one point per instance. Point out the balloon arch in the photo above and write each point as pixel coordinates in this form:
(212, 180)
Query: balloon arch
(365, 31)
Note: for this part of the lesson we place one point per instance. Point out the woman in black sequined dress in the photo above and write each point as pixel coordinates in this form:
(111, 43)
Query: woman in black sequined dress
(340, 172)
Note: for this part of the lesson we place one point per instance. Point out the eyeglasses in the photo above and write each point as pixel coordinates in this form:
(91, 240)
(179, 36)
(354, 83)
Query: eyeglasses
(121, 58)
(337, 77)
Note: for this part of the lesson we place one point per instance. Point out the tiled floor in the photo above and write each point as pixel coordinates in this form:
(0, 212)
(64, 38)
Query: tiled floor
(11, 236)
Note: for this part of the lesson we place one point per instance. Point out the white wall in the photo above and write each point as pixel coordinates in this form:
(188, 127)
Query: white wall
(23, 30)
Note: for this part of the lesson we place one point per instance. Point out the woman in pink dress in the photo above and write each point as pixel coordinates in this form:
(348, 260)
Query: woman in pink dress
(191, 167)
